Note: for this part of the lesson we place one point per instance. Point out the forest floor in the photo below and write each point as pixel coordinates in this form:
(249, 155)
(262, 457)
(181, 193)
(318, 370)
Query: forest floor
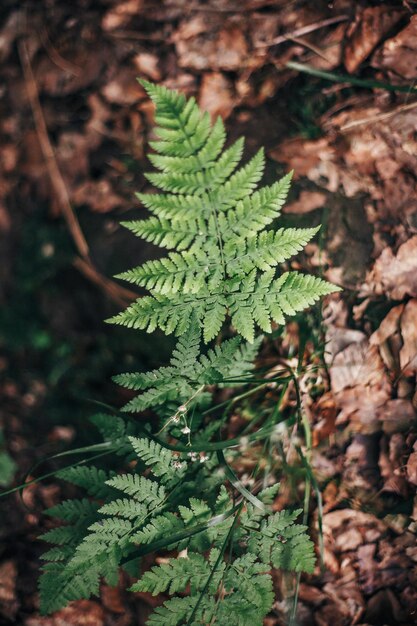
(74, 126)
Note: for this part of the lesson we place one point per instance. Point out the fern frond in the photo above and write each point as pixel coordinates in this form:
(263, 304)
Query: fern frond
(172, 235)
(142, 489)
(124, 507)
(159, 459)
(138, 380)
(161, 526)
(73, 510)
(92, 479)
(267, 249)
(282, 543)
(215, 218)
(177, 611)
(175, 575)
(256, 211)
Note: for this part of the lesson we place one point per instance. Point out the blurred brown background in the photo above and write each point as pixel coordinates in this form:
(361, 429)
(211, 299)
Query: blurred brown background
(74, 125)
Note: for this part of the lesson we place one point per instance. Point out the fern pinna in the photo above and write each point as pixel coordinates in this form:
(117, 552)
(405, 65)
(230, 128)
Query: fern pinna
(223, 264)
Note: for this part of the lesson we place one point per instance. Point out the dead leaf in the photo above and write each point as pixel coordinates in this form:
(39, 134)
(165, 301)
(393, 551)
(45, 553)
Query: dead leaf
(359, 383)
(313, 159)
(371, 25)
(124, 89)
(399, 54)
(408, 353)
(8, 599)
(391, 461)
(121, 13)
(79, 613)
(396, 275)
(147, 64)
(72, 154)
(397, 415)
(216, 95)
(307, 201)
(411, 468)
(13, 26)
(350, 539)
(326, 410)
(223, 50)
(58, 82)
(384, 607)
(113, 599)
(98, 195)
(388, 327)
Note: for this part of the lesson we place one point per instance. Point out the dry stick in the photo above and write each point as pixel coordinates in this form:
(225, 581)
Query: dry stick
(309, 46)
(304, 30)
(116, 292)
(379, 117)
(83, 262)
(63, 64)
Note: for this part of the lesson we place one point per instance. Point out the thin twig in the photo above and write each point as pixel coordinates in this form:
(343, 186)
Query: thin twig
(377, 118)
(55, 176)
(116, 292)
(304, 30)
(306, 44)
(63, 64)
(83, 262)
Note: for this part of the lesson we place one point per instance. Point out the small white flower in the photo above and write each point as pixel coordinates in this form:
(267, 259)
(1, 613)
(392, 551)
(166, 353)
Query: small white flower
(182, 409)
(244, 442)
(175, 419)
(178, 464)
(203, 458)
(192, 456)
(186, 430)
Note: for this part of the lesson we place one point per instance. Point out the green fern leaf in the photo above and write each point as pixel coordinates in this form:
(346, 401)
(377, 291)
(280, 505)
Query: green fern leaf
(159, 459)
(215, 217)
(175, 576)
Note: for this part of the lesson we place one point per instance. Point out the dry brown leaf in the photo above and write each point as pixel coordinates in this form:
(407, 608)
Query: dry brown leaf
(399, 54)
(55, 81)
(147, 64)
(124, 89)
(344, 597)
(72, 155)
(388, 327)
(313, 159)
(371, 25)
(411, 468)
(13, 26)
(396, 275)
(397, 415)
(336, 520)
(384, 607)
(326, 411)
(98, 195)
(8, 600)
(226, 49)
(113, 598)
(408, 353)
(216, 94)
(307, 201)
(358, 379)
(121, 13)
(80, 613)
(357, 364)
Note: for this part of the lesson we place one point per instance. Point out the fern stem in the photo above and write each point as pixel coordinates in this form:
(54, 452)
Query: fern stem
(212, 206)
(216, 565)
